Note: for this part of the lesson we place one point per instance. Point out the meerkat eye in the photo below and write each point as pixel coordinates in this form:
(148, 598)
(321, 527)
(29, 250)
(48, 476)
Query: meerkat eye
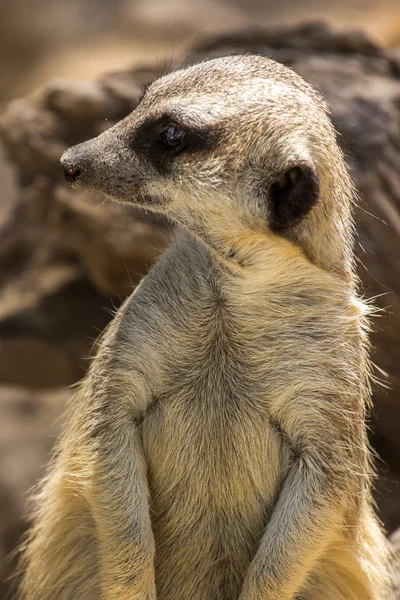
(163, 139)
(173, 137)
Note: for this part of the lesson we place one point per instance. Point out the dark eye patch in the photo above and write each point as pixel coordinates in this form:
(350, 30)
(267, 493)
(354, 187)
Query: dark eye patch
(154, 140)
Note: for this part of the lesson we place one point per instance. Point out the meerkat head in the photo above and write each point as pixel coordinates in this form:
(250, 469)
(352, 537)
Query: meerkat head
(230, 148)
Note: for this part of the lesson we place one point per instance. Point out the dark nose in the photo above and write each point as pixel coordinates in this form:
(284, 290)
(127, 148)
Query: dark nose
(72, 168)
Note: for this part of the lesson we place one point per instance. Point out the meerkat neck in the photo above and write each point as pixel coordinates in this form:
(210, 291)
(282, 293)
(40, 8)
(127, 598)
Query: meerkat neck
(262, 257)
(237, 249)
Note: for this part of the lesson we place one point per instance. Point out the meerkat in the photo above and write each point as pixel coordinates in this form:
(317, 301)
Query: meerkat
(217, 448)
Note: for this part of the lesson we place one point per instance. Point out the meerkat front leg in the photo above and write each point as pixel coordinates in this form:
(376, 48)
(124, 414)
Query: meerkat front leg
(118, 490)
(92, 537)
(318, 488)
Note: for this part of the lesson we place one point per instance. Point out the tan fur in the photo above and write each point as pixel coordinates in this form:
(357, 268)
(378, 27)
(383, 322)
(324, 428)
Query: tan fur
(217, 450)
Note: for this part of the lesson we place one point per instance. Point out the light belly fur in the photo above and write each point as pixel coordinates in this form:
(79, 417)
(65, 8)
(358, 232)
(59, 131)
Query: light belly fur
(212, 489)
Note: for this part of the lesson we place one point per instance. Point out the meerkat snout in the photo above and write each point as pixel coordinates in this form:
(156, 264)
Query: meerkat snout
(79, 165)
(72, 170)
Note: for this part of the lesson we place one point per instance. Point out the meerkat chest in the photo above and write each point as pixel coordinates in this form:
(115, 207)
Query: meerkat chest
(215, 463)
(212, 423)
(224, 358)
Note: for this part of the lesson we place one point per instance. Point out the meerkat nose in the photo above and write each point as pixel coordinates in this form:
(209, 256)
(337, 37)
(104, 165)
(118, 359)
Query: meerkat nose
(72, 169)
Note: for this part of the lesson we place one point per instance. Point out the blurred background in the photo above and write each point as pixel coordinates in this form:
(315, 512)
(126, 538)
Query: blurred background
(40, 39)
(70, 69)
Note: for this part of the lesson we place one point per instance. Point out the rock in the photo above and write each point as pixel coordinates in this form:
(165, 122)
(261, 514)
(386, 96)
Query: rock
(49, 319)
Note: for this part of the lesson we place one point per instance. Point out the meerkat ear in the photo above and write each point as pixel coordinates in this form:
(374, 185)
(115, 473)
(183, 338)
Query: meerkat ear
(292, 196)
